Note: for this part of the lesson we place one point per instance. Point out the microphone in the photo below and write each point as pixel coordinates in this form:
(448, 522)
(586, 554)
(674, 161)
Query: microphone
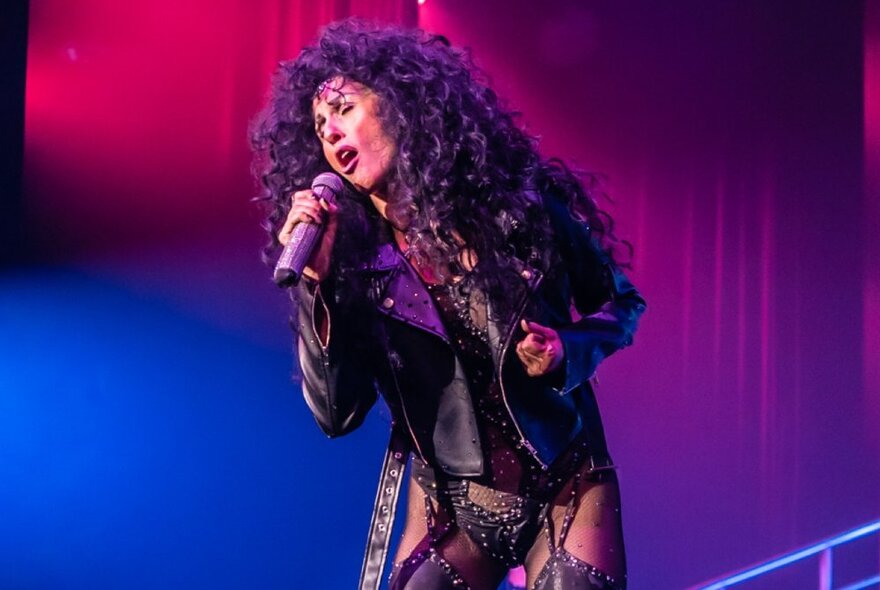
(306, 235)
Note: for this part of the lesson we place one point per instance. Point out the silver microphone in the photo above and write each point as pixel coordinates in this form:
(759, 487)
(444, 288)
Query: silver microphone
(306, 235)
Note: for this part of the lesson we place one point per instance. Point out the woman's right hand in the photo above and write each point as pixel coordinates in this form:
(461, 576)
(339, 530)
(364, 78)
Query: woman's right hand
(305, 208)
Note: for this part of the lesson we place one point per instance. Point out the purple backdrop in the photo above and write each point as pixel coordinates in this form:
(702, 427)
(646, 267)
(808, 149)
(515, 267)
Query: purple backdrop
(732, 138)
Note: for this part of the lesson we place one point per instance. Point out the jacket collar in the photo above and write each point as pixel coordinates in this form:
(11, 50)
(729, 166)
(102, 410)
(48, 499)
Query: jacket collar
(404, 296)
(386, 257)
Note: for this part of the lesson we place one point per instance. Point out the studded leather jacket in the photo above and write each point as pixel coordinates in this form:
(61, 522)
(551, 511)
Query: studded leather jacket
(409, 360)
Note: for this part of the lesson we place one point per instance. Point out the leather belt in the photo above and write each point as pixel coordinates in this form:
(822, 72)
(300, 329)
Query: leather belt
(384, 510)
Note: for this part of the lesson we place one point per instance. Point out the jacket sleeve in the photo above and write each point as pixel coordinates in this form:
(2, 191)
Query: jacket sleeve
(609, 304)
(336, 385)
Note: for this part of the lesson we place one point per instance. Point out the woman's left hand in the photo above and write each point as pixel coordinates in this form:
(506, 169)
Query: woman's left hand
(541, 351)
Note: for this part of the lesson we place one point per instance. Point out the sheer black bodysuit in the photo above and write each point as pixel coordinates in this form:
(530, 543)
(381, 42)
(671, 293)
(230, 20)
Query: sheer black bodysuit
(563, 523)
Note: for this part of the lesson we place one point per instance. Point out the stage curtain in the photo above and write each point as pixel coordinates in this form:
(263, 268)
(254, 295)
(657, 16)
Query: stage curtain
(137, 113)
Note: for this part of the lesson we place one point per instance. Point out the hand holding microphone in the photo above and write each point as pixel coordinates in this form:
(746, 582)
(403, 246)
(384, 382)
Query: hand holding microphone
(309, 232)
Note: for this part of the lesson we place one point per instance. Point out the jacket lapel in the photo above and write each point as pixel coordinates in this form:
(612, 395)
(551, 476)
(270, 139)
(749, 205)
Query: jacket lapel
(402, 295)
(501, 328)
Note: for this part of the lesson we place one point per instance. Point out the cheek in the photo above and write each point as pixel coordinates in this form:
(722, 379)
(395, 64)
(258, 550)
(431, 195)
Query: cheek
(382, 146)
(328, 153)
(389, 151)
(378, 140)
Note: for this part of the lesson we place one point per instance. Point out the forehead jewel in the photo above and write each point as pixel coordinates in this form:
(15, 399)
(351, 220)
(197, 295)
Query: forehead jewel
(333, 85)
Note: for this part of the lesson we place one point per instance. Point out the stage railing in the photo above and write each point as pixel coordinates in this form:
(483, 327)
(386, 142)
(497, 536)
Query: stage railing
(824, 550)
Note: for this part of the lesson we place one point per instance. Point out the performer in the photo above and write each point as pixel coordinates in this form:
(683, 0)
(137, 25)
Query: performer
(474, 286)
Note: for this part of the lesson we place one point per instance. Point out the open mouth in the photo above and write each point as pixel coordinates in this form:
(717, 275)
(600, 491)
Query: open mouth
(347, 159)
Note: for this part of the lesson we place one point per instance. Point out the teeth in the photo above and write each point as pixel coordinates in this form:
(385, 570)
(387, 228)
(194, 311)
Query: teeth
(346, 155)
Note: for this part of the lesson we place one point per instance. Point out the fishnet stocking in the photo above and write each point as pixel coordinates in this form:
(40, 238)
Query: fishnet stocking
(478, 570)
(415, 529)
(584, 522)
(595, 534)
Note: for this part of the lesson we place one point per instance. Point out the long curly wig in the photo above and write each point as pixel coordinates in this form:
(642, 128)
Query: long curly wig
(465, 175)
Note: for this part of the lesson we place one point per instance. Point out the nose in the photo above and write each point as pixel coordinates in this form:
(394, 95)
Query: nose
(331, 132)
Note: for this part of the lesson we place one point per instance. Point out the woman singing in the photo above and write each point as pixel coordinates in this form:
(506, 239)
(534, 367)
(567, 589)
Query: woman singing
(470, 283)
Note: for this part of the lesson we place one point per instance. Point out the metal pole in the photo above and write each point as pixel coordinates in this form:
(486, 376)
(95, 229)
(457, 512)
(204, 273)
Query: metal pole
(826, 569)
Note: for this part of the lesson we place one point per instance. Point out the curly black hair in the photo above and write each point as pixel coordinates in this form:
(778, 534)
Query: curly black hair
(465, 174)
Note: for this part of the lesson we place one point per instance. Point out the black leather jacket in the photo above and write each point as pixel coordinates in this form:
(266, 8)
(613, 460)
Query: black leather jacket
(409, 359)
